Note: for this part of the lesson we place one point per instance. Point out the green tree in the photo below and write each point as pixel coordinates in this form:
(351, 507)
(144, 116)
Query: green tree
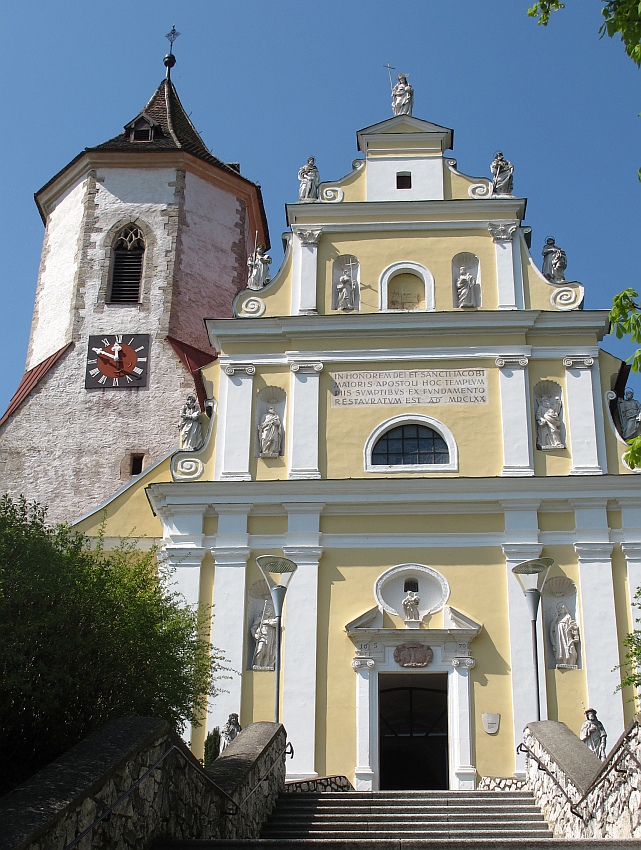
(622, 18)
(87, 635)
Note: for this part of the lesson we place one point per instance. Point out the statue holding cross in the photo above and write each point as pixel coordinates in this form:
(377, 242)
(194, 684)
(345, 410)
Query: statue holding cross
(402, 93)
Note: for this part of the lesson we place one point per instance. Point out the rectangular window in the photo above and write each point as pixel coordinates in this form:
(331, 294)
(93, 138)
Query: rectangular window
(403, 180)
(136, 464)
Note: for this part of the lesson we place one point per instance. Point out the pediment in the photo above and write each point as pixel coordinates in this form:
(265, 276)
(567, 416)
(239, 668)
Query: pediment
(406, 125)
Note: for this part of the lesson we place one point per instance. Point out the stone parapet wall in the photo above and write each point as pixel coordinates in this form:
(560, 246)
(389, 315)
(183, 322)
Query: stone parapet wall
(580, 796)
(141, 774)
(321, 785)
(501, 783)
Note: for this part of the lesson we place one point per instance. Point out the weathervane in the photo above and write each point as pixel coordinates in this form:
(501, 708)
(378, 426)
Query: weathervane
(170, 59)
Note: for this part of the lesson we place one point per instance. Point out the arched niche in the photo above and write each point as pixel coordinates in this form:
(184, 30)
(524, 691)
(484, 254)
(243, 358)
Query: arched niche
(560, 613)
(270, 397)
(406, 287)
(467, 295)
(548, 416)
(346, 296)
(260, 609)
(431, 586)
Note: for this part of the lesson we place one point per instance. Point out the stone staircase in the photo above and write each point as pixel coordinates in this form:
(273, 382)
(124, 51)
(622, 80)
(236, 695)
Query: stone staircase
(396, 820)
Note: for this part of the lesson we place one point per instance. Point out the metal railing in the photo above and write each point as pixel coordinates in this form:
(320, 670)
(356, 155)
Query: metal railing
(288, 750)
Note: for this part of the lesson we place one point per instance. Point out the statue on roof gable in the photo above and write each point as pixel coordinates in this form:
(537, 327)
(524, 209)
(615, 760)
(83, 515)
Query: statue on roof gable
(258, 268)
(402, 96)
(309, 181)
(502, 175)
(555, 261)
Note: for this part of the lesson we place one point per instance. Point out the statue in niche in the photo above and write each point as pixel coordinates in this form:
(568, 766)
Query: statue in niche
(555, 261)
(309, 181)
(270, 434)
(410, 605)
(593, 734)
(345, 291)
(402, 96)
(548, 423)
(629, 415)
(230, 730)
(263, 631)
(189, 425)
(466, 288)
(502, 175)
(564, 634)
(258, 268)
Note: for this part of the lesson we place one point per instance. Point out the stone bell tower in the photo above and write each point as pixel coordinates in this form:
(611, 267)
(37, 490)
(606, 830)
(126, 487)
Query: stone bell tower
(145, 236)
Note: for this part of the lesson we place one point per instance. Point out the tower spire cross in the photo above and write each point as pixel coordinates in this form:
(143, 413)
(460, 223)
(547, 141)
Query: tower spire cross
(170, 59)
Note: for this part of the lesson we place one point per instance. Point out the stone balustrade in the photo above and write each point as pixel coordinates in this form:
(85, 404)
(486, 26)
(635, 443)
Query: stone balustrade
(135, 782)
(579, 795)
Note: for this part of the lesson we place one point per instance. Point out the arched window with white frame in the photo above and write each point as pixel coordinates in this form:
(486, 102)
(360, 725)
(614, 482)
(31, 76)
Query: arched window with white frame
(406, 287)
(411, 444)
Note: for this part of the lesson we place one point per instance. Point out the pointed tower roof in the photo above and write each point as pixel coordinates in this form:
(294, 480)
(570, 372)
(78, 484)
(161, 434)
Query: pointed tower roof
(171, 129)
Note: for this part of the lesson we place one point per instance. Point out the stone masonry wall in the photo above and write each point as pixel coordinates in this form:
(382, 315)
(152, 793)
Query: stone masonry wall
(598, 799)
(176, 799)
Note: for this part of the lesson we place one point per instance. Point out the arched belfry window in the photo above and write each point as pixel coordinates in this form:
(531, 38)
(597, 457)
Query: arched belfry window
(126, 272)
(410, 444)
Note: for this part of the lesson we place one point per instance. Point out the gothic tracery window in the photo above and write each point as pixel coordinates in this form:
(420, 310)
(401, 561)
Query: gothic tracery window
(126, 272)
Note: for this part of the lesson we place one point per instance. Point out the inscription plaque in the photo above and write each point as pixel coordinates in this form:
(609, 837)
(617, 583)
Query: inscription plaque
(410, 386)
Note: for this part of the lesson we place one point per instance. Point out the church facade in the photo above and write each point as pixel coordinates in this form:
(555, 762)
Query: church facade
(408, 410)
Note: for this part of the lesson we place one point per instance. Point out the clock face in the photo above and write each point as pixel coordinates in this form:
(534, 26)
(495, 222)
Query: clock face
(117, 361)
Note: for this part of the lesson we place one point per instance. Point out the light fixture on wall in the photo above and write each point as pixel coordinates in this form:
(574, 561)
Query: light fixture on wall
(278, 573)
(531, 575)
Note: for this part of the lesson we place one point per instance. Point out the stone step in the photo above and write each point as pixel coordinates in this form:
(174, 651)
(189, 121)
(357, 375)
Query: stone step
(413, 809)
(403, 831)
(413, 843)
(405, 814)
(486, 796)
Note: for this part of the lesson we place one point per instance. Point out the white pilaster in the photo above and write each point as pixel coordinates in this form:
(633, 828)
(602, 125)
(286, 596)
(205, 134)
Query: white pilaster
(462, 772)
(235, 422)
(366, 725)
(599, 636)
(631, 548)
(305, 271)
(230, 552)
(515, 416)
(521, 534)
(301, 629)
(303, 422)
(586, 439)
(503, 235)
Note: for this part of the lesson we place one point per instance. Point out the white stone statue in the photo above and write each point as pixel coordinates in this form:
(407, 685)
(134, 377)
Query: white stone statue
(564, 634)
(548, 423)
(270, 434)
(402, 96)
(345, 292)
(502, 175)
(309, 181)
(263, 632)
(629, 415)
(229, 731)
(258, 268)
(555, 261)
(466, 288)
(593, 734)
(410, 605)
(189, 426)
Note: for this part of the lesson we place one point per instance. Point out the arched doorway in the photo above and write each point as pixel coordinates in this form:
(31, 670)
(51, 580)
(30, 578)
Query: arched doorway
(413, 731)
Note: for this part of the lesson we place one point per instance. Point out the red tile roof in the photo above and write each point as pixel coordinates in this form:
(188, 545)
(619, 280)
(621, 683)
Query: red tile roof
(30, 380)
(193, 359)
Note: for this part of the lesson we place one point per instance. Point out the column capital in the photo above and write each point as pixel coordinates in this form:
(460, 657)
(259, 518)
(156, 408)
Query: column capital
(578, 362)
(522, 551)
(306, 367)
(464, 663)
(308, 237)
(303, 554)
(240, 368)
(516, 360)
(184, 556)
(632, 551)
(592, 552)
(230, 555)
(363, 664)
(502, 232)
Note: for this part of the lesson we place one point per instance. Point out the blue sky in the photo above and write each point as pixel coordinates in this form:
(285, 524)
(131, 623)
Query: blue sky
(269, 84)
